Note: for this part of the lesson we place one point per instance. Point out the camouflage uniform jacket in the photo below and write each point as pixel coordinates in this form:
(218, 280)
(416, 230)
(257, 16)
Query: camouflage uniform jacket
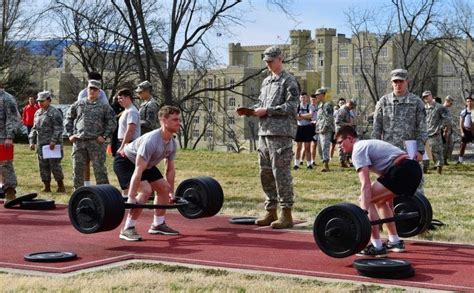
(397, 119)
(343, 117)
(280, 96)
(9, 116)
(436, 118)
(450, 123)
(149, 115)
(325, 122)
(47, 128)
(89, 120)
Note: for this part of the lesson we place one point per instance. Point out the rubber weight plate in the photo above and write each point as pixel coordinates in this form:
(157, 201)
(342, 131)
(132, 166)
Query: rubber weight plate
(416, 203)
(243, 220)
(386, 265)
(19, 199)
(393, 275)
(50, 256)
(204, 195)
(38, 204)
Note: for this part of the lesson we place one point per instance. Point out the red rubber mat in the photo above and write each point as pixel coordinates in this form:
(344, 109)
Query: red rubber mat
(217, 243)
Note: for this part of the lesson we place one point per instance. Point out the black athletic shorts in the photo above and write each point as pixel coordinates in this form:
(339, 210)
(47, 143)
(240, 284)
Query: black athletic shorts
(402, 179)
(305, 133)
(124, 168)
(467, 136)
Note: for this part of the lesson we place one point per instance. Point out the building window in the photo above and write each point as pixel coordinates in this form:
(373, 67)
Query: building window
(320, 40)
(309, 59)
(209, 133)
(196, 133)
(343, 85)
(320, 59)
(231, 102)
(231, 120)
(232, 82)
(182, 83)
(343, 53)
(343, 69)
(382, 85)
(448, 84)
(384, 52)
(196, 119)
(210, 83)
(210, 104)
(383, 68)
(360, 85)
(249, 60)
(448, 68)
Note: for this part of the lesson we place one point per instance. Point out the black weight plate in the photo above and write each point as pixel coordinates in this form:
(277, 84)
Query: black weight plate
(338, 230)
(115, 207)
(50, 256)
(379, 265)
(386, 275)
(2, 193)
(215, 195)
(196, 192)
(19, 199)
(243, 220)
(416, 203)
(364, 222)
(38, 204)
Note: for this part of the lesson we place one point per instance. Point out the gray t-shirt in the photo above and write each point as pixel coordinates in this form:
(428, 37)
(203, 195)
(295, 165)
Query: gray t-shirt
(376, 154)
(152, 148)
(129, 116)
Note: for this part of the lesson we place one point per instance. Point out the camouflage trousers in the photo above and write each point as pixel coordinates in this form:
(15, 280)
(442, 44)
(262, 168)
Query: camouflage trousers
(275, 154)
(436, 144)
(48, 166)
(84, 150)
(8, 175)
(448, 147)
(324, 145)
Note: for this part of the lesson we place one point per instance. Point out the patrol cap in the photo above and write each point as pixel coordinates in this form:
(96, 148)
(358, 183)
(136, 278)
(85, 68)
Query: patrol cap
(426, 93)
(449, 98)
(399, 74)
(271, 53)
(43, 96)
(320, 91)
(94, 83)
(146, 85)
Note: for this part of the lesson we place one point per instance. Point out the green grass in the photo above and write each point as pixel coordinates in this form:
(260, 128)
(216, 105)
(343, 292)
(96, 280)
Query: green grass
(450, 195)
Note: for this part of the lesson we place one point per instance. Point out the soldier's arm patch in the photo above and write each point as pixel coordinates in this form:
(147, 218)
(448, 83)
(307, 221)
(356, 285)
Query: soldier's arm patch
(293, 91)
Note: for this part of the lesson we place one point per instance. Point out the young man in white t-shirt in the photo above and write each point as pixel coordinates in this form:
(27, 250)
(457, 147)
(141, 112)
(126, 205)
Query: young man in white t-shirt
(137, 172)
(398, 176)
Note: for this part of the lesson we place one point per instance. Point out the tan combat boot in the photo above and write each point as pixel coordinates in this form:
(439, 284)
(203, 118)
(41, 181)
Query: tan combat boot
(47, 186)
(285, 221)
(269, 217)
(325, 167)
(9, 195)
(61, 187)
(344, 164)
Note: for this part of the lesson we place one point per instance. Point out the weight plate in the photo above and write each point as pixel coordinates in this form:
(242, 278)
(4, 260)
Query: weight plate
(50, 256)
(243, 220)
(386, 265)
(19, 199)
(389, 275)
(96, 208)
(38, 204)
(416, 203)
(204, 194)
(216, 195)
(339, 230)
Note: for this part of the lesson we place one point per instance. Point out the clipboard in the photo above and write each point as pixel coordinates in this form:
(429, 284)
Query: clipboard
(51, 153)
(6, 154)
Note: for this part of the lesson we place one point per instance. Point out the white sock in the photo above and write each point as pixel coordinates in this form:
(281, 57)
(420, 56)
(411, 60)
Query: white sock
(377, 243)
(158, 220)
(393, 238)
(87, 183)
(297, 162)
(311, 162)
(461, 159)
(129, 223)
(308, 163)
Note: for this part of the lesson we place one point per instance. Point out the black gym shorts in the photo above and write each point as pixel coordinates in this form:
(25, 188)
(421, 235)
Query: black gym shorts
(124, 168)
(467, 138)
(402, 179)
(304, 133)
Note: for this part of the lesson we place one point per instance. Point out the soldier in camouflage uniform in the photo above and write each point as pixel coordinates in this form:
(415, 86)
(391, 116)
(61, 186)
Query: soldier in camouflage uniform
(276, 110)
(9, 122)
(148, 109)
(344, 117)
(436, 120)
(448, 142)
(324, 127)
(48, 130)
(400, 115)
(88, 124)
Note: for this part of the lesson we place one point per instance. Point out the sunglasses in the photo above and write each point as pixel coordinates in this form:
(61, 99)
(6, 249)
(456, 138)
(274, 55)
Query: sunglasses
(341, 140)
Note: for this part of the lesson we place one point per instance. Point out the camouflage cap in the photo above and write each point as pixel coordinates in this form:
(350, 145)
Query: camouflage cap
(145, 85)
(399, 74)
(271, 53)
(94, 83)
(43, 96)
(426, 93)
(320, 91)
(449, 98)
